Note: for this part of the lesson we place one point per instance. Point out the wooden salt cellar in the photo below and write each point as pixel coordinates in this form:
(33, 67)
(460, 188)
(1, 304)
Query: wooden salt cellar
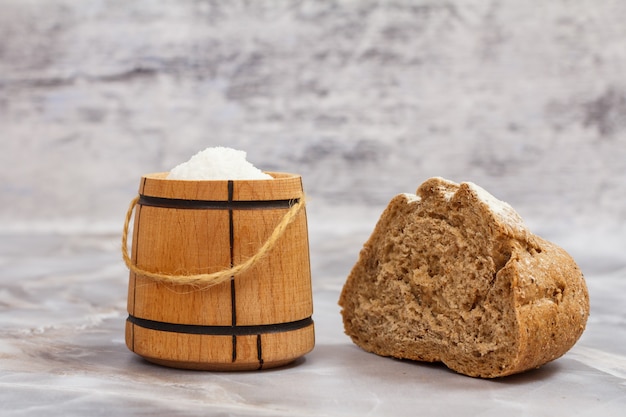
(255, 320)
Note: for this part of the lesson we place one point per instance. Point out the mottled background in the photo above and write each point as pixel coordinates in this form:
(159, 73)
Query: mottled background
(365, 99)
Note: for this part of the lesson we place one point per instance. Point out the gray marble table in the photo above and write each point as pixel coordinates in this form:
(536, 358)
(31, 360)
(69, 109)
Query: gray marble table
(62, 351)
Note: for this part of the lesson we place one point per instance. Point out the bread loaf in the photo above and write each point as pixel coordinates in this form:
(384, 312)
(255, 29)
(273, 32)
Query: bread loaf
(453, 275)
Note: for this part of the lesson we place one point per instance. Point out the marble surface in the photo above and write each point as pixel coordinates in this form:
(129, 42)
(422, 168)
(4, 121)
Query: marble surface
(365, 99)
(62, 351)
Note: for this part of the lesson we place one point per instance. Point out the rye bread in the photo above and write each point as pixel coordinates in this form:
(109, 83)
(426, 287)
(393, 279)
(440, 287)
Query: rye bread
(452, 274)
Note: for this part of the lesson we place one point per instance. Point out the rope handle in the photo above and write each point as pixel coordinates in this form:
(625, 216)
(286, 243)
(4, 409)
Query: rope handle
(215, 278)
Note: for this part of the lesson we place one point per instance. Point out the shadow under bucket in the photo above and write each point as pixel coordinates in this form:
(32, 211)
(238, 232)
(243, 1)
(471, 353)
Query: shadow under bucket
(220, 276)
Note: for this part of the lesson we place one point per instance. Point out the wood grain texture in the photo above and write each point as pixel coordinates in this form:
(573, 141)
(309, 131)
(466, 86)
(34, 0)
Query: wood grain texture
(259, 319)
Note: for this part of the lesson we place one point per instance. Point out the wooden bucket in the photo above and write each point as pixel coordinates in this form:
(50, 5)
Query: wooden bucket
(255, 319)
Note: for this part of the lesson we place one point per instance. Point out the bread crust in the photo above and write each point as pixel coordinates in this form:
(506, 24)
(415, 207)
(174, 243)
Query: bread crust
(453, 275)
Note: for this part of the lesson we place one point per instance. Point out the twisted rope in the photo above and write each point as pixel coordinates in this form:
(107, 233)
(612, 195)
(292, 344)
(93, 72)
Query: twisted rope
(215, 278)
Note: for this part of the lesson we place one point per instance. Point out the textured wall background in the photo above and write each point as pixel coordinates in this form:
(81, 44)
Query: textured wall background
(365, 99)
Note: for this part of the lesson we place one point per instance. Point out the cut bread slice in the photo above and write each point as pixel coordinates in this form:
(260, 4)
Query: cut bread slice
(453, 275)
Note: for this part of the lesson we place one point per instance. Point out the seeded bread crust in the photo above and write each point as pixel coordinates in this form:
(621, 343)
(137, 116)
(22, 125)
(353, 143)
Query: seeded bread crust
(452, 274)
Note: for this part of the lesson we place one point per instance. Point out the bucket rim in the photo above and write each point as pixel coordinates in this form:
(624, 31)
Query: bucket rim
(276, 175)
(282, 186)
